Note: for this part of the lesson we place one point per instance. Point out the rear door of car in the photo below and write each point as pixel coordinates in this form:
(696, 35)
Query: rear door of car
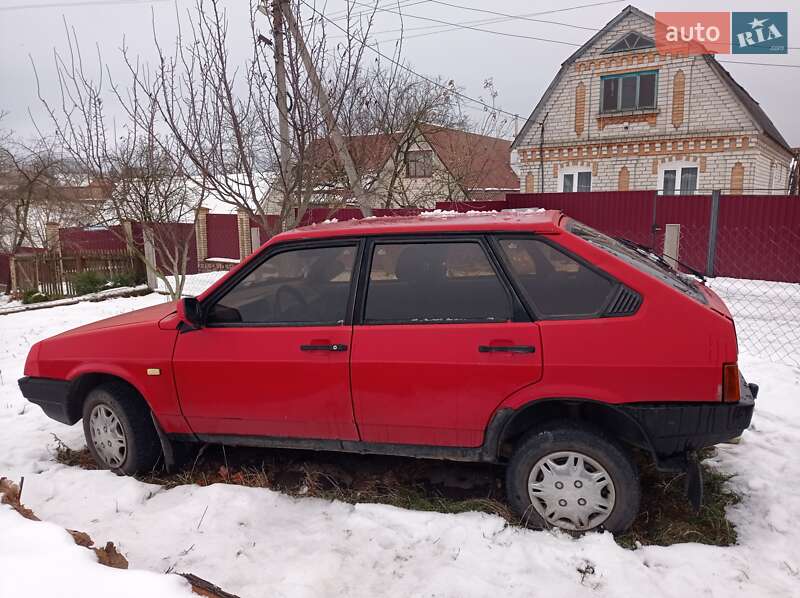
(439, 341)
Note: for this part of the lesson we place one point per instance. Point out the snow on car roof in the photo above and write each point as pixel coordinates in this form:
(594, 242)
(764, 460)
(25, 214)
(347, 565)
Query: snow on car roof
(529, 219)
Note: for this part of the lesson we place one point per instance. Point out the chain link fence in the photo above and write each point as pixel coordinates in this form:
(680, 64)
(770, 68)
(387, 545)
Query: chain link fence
(767, 316)
(766, 312)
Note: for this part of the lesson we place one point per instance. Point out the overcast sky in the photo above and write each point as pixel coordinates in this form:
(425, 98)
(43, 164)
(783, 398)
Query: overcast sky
(521, 68)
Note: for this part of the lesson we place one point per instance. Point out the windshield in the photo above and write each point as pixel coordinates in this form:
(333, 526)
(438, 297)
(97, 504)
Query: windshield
(639, 257)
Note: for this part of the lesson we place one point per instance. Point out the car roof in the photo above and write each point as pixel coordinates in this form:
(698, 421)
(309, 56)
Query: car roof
(528, 219)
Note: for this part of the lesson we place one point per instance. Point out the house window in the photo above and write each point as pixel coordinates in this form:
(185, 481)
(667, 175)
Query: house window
(577, 181)
(631, 91)
(419, 164)
(630, 41)
(683, 180)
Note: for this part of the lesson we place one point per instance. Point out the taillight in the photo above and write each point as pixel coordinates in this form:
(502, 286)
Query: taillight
(730, 383)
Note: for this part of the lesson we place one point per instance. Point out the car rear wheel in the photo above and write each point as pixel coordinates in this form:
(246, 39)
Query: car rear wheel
(573, 478)
(119, 431)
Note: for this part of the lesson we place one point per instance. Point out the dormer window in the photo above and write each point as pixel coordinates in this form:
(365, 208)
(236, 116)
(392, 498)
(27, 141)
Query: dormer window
(630, 41)
(628, 91)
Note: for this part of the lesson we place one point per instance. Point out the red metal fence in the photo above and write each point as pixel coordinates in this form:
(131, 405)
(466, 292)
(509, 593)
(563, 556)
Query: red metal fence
(111, 238)
(756, 236)
(223, 235)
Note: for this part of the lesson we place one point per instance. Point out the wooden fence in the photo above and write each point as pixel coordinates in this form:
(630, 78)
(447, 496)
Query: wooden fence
(54, 274)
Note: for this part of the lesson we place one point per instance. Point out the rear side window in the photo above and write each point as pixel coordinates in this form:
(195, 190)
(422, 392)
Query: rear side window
(434, 283)
(556, 284)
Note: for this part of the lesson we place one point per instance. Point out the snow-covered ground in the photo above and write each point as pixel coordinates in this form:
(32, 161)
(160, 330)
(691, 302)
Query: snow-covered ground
(257, 542)
(40, 558)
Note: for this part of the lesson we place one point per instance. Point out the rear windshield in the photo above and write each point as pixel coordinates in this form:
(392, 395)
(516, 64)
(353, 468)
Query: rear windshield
(641, 259)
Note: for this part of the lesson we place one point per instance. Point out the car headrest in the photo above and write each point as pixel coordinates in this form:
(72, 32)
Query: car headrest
(420, 263)
(325, 269)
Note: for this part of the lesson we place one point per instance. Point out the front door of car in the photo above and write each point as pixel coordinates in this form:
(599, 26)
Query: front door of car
(440, 341)
(273, 356)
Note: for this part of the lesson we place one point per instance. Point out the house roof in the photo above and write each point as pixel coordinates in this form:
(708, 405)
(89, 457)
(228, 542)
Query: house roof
(369, 152)
(748, 102)
(477, 162)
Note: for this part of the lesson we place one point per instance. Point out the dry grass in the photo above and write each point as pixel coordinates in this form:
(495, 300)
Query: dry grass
(665, 516)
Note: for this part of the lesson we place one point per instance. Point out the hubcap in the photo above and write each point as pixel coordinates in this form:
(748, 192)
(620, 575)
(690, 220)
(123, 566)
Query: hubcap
(108, 436)
(571, 491)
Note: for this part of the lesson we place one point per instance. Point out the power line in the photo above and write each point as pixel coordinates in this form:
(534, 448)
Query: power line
(527, 17)
(506, 18)
(789, 66)
(446, 28)
(471, 28)
(454, 26)
(341, 15)
(77, 4)
(409, 69)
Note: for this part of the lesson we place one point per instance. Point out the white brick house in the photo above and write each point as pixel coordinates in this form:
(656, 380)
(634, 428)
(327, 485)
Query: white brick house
(619, 116)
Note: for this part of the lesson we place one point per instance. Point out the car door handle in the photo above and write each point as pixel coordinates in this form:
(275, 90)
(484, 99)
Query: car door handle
(507, 349)
(323, 347)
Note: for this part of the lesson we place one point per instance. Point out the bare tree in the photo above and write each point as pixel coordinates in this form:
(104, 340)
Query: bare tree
(141, 168)
(225, 118)
(30, 189)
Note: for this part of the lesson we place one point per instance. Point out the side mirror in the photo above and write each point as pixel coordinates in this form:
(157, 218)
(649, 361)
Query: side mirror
(190, 312)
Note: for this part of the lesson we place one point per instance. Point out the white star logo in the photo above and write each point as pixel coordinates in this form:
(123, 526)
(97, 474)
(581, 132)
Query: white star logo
(756, 23)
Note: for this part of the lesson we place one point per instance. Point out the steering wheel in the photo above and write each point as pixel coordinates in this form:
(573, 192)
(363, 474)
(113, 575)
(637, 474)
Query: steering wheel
(284, 295)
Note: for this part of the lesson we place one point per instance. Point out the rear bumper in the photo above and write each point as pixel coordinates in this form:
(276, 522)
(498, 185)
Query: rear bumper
(50, 394)
(675, 429)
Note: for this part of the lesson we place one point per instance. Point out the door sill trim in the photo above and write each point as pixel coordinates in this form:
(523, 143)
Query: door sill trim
(448, 453)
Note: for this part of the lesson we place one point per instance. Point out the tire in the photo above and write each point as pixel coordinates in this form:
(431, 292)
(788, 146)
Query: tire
(119, 430)
(580, 459)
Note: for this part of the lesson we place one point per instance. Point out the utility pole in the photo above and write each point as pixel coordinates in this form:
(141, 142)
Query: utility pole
(336, 136)
(280, 100)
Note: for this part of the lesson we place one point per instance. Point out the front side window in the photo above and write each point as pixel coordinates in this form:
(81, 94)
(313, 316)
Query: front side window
(434, 283)
(557, 285)
(308, 286)
(631, 91)
(419, 164)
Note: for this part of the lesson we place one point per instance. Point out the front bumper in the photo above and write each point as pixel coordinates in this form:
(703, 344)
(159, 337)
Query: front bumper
(51, 395)
(675, 429)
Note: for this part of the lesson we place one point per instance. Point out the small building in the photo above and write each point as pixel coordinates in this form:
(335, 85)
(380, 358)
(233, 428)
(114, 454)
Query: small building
(621, 116)
(418, 168)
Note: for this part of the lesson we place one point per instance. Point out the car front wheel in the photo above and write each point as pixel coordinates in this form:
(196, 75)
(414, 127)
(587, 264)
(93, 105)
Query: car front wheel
(119, 431)
(573, 478)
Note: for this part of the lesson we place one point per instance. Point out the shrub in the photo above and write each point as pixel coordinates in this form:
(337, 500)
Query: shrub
(92, 282)
(89, 282)
(34, 296)
(124, 279)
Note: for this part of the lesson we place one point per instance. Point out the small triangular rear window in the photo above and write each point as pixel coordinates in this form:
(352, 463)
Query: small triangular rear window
(630, 41)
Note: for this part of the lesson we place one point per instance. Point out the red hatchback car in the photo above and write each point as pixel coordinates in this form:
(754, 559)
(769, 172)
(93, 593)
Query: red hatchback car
(523, 338)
